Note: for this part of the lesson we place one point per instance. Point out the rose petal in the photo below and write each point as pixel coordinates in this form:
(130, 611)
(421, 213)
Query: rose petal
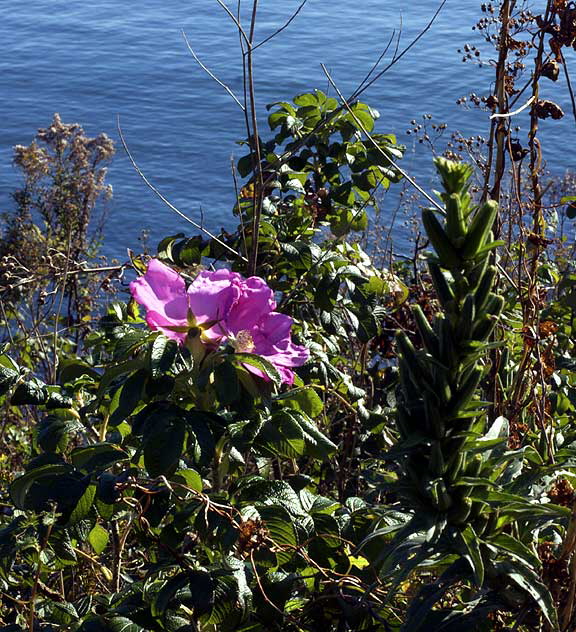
(286, 374)
(161, 290)
(274, 328)
(159, 321)
(212, 294)
(272, 341)
(256, 300)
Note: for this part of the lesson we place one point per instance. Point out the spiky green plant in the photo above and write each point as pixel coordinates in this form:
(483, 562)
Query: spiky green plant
(469, 523)
(439, 407)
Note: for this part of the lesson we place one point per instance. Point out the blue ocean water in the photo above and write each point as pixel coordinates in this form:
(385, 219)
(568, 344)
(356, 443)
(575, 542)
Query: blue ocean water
(95, 61)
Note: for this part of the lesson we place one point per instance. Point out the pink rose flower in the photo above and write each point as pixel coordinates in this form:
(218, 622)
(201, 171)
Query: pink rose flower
(271, 336)
(223, 306)
(162, 292)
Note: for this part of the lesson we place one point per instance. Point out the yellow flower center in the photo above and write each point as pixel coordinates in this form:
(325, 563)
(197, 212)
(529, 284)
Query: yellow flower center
(243, 343)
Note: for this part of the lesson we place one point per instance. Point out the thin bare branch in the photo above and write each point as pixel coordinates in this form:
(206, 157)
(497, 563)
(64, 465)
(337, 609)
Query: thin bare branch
(210, 73)
(70, 273)
(236, 22)
(237, 194)
(375, 144)
(285, 26)
(239, 12)
(169, 204)
(255, 146)
(397, 58)
(377, 62)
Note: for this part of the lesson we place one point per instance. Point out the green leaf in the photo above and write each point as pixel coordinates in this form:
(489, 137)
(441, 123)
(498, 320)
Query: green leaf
(20, 487)
(58, 400)
(163, 445)
(162, 354)
(190, 478)
(261, 493)
(473, 617)
(281, 530)
(304, 399)
(225, 606)
(8, 378)
(98, 538)
(164, 248)
(245, 165)
(472, 553)
(362, 117)
(278, 586)
(54, 432)
(122, 624)
(290, 433)
(344, 195)
(128, 366)
(260, 363)
(516, 549)
(421, 606)
(97, 457)
(275, 119)
(305, 99)
(61, 544)
(294, 184)
(62, 612)
(201, 442)
(317, 444)
(168, 593)
(71, 369)
(127, 398)
(281, 436)
(33, 393)
(83, 505)
(202, 591)
(226, 383)
(529, 581)
(188, 252)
